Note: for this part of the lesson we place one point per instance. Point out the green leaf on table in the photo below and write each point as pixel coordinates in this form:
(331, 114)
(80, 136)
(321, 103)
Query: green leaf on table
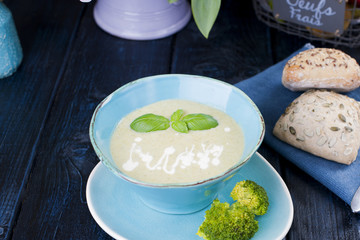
(149, 123)
(180, 126)
(205, 13)
(199, 121)
(172, 1)
(177, 115)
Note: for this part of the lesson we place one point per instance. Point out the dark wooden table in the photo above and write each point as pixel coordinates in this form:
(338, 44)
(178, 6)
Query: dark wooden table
(70, 65)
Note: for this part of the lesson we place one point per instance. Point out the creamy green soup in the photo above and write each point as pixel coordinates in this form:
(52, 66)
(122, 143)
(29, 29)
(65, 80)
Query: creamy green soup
(168, 156)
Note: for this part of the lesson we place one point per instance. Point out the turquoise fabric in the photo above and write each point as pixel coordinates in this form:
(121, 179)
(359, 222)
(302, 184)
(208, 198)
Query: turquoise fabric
(10, 49)
(268, 93)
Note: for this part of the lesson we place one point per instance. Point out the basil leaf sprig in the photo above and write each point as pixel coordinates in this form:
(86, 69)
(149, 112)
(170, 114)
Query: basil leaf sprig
(180, 123)
(180, 126)
(177, 115)
(149, 123)
(199, 121)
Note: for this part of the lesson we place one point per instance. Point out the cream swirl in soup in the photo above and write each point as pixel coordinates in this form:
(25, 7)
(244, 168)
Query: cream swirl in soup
(168, 156)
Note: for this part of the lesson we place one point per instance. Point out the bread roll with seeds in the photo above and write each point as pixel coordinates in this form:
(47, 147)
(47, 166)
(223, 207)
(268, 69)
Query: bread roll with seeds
(323, 123)
(321, 68)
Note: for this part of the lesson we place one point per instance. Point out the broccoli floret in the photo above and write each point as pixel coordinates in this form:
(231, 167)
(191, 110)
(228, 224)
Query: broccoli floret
(251, 196)
(226, 222)
(235, 222)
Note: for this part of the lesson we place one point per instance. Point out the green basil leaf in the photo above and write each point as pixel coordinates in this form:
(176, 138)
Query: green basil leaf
(149, 123)
(180, 126)
(205, 13)
(200, 121)
(177, 115)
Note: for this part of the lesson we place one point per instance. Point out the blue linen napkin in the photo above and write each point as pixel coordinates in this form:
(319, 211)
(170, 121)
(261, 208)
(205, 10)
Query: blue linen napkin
(271, 97)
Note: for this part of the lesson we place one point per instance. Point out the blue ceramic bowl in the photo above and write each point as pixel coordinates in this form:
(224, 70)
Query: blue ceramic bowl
(176, 198)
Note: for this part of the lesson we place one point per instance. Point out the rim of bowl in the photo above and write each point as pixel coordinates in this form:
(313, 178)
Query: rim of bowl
(121, 174)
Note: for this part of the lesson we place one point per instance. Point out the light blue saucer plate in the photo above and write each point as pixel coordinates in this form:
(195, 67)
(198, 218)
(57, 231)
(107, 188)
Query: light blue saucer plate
(123, 216)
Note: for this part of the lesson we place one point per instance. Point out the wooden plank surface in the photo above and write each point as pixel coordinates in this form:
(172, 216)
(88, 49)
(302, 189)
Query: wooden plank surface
(45, 33)
(70, 65)
(55, 205)
(233, 51)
